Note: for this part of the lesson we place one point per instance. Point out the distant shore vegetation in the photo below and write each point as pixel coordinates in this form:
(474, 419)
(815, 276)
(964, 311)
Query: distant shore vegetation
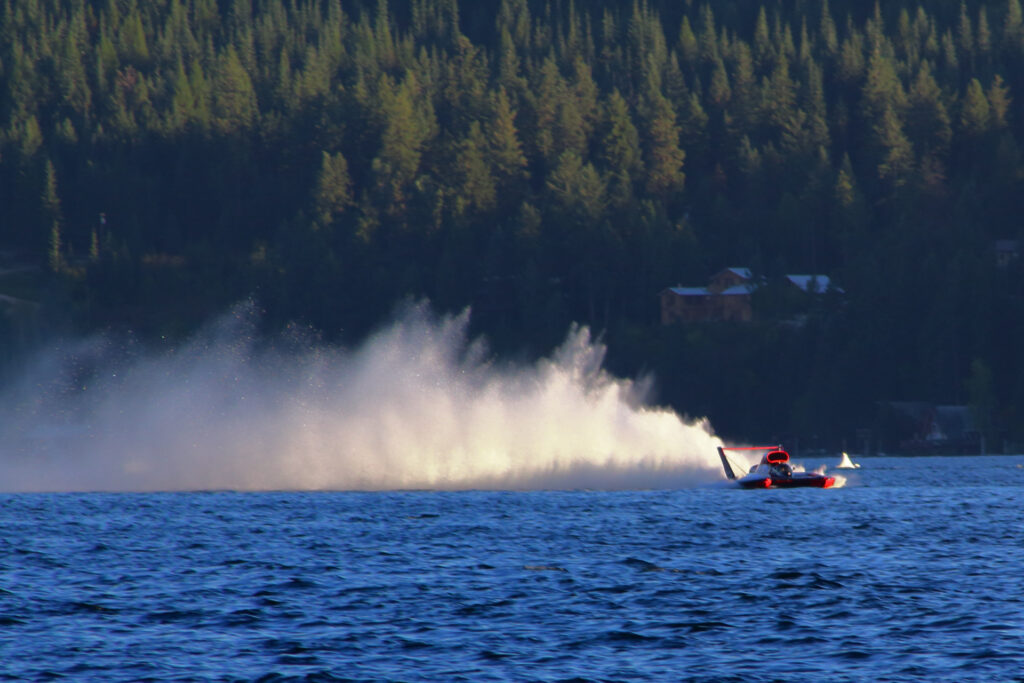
(544, 162)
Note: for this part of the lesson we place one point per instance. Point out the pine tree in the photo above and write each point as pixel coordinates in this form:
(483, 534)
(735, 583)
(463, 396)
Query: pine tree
(505, 152)
(476, 190)
(200, 87)
(882, 87)
(708, 42)
(52, 215)
(851, 59)
(896, 154)
(827, 31)
(72, 78)
(234, 98)
(907, 39)
(662, 154)
(132, 36)
(688, 48)
(107, 62)
(763, 50)
(570, 130)
(585, 96)
(950, 59)
(719, 91)
(927, 122)
(743, 104)
(183, 103)
(984, 34)
(925, 27)
(283, 89)
(548, 94)
(777, 107)
(28, 138)
(999, 102)
(675, 83)
(965, 34)
(620, 149)
(94, 245)
(509, 76)
(408, 125)
(975, 113)
(382, 38)
(806, 49)
(851, 212)
(333, 191)
(577, 188)
(464, 87)
(749, 158)
(846, 184)
(693, 128)
(205, 17)
(816, 108)
(611, 60)
(784, 43)
(874, 29)
(1013, 29)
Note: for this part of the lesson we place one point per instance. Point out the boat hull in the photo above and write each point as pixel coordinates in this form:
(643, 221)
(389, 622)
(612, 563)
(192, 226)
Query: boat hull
(750, 482)
(797, 481)
(815, 481)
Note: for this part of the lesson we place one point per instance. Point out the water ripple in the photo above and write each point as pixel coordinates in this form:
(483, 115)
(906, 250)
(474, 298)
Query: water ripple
(879, 581)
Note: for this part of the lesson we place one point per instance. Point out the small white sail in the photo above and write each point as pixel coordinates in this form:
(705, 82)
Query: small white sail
(846, 464)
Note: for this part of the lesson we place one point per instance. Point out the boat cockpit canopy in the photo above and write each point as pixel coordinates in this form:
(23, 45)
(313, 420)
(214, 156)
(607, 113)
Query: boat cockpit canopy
(776, 457)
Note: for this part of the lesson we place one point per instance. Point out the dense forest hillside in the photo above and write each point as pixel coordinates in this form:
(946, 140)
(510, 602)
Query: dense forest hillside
(544, 162)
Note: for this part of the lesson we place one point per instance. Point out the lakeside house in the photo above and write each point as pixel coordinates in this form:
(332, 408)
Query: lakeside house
(728, 296)
(923, 428)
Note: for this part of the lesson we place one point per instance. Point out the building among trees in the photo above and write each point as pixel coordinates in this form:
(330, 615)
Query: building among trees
(730, 293)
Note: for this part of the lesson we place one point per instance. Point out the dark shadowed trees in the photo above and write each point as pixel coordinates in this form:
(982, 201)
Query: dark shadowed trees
(560, 161)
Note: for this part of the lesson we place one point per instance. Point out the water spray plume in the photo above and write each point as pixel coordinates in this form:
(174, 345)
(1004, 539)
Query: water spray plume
(417, 406)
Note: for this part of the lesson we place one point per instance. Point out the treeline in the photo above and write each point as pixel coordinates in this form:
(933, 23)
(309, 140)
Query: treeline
(544, 162)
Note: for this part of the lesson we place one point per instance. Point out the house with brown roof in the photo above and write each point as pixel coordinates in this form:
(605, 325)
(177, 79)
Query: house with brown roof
(727, 297)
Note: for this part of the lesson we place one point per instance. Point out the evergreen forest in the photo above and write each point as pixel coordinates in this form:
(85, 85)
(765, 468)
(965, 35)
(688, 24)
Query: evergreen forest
(543, 162)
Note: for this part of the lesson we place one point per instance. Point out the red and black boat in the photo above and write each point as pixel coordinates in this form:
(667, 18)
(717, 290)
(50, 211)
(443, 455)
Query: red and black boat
(773, 472)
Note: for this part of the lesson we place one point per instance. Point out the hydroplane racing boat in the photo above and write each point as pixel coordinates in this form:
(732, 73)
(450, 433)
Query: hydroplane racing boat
(773, 472)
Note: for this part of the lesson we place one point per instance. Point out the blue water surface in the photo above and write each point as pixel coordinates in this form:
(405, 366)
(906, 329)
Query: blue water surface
(912, 571)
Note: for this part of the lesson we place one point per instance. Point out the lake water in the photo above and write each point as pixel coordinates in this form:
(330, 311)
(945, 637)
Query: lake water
(912, 571)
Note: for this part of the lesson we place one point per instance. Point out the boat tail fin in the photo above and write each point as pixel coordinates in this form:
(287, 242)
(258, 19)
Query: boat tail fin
(725, 464)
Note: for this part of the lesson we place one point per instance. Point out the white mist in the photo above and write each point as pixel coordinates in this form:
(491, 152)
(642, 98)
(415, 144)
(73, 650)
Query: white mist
(418, 406)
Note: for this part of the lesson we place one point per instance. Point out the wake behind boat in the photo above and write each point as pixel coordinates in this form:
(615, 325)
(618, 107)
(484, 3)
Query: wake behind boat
(774, 471)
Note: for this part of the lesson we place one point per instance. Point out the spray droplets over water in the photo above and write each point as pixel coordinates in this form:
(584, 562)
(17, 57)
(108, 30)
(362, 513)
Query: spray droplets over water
(418, 406)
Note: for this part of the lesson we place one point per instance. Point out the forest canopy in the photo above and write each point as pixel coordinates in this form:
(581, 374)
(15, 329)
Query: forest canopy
(544, 162)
